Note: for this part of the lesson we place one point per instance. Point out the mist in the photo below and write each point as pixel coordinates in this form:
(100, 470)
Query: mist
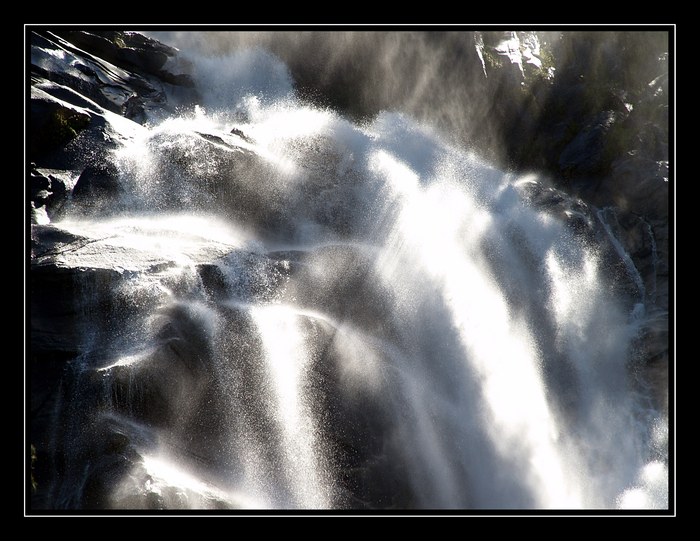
(465, 83)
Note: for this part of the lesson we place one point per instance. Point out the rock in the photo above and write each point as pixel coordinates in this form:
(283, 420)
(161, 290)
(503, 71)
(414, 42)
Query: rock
(52, 123)
(97, 184)
(50, 190)
(94, 141)
(128, 50)
(114, 77)
(55, 60)
(80, 301)
(640, 185)
(39, 187)
(586, 153)
(643, 240)
(602, 124)
(214, 172)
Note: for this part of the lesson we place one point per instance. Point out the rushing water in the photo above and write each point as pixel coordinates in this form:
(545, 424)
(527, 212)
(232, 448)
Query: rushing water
(474, 334)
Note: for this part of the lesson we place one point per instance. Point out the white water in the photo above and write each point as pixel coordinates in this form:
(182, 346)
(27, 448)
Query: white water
(488, 297)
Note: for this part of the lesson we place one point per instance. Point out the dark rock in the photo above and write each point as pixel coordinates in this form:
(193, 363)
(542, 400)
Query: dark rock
(643, 239)
(128, 50)
(351, 293)
(111, 74)
(586, 153)
(60, 187)
(40, 189)
(57, 61)
(54, 330)
(98, 185)
(52, 123)
(77, 308)
(641, 186)
(241, 134)
(93, 143)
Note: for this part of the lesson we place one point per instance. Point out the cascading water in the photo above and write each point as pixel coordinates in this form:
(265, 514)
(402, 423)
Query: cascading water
(387, 320)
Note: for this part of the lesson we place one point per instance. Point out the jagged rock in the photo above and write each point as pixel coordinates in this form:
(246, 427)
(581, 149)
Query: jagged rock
(139, 87)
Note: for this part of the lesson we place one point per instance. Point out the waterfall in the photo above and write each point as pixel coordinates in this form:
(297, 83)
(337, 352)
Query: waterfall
(317, 313)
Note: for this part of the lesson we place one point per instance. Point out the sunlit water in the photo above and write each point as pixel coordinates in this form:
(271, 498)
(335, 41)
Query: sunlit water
(489, 297)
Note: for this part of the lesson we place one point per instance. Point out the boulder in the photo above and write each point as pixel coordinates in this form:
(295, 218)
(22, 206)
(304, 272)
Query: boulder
(98, 183)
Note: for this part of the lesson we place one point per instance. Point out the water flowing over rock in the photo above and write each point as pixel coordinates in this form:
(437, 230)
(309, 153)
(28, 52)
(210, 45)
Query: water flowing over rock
(254, 284)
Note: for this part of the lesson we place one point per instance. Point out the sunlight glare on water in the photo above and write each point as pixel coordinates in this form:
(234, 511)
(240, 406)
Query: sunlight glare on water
(287, 357)
(168, 479)
(431, 228)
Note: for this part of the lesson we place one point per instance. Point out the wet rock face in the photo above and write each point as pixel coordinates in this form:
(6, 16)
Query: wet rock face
(118, 372)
